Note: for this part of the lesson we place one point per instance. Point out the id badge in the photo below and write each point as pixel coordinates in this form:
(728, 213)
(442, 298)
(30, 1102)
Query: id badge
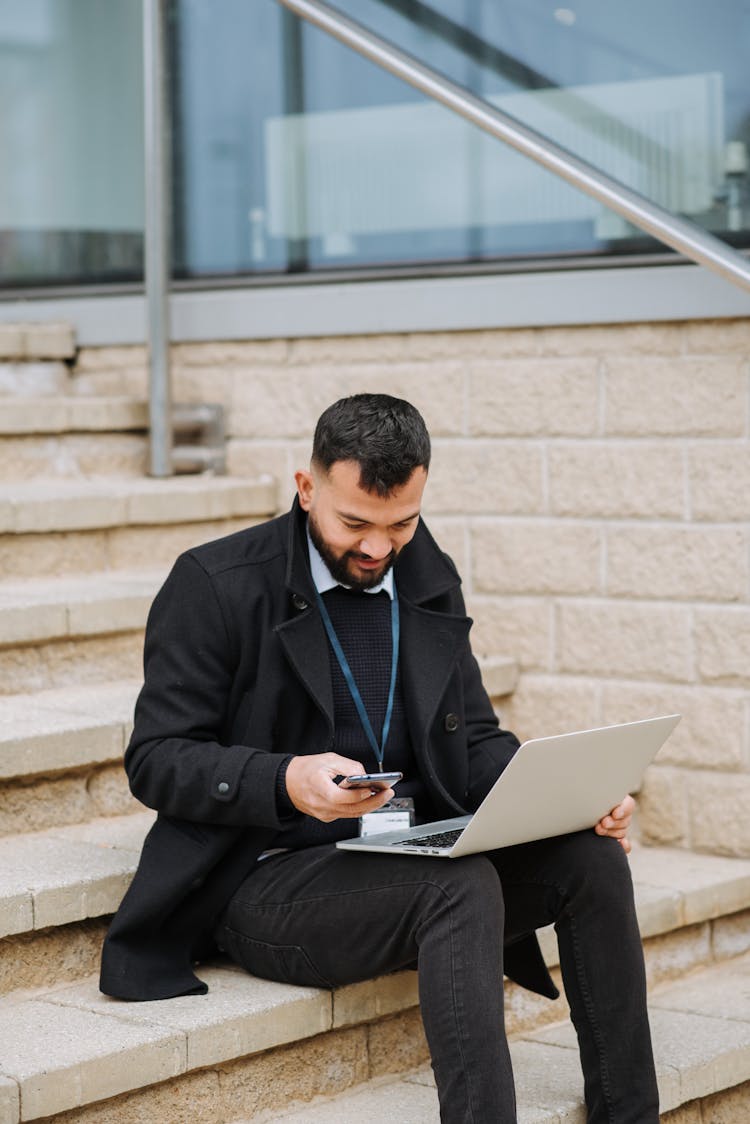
(396, 815)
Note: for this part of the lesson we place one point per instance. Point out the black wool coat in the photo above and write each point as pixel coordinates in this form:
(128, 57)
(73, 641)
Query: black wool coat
(237, 677)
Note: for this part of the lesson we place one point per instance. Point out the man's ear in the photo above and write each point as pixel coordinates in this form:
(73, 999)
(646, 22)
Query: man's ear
(305, 488)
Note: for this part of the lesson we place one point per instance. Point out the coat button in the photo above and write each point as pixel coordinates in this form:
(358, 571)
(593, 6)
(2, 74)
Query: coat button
(222, 787)
(451, 723)
(299, 602)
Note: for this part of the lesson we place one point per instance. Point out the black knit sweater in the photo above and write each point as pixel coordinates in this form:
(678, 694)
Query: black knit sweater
(362, 622)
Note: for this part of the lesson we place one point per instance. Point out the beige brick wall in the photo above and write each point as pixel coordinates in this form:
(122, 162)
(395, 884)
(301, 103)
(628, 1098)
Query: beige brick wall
(594, 486)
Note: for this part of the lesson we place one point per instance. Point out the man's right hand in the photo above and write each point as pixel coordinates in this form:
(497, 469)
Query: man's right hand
(311, 788)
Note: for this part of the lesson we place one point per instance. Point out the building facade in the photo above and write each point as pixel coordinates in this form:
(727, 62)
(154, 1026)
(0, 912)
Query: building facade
(332, 231)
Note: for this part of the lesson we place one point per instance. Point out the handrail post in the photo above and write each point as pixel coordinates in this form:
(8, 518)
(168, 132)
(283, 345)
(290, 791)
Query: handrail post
(156, 241)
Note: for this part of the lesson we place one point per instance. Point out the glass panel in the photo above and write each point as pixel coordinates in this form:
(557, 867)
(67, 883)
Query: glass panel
(293, 153)
(71, 138)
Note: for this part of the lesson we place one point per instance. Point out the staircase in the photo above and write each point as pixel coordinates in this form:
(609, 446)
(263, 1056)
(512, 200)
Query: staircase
(85, 541)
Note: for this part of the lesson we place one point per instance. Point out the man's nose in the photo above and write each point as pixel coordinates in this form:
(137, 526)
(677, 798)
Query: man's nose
(376, 546)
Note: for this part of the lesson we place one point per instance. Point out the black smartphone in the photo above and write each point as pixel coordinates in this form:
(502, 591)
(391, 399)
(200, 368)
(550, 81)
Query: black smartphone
(369, 780)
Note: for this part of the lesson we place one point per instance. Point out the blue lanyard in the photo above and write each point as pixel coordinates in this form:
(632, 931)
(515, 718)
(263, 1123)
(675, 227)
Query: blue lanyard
(379, 750)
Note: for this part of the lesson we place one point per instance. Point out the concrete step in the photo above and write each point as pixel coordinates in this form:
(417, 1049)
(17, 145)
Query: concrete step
(57, 887)
(64, 436)
(67, 728)
(73, 456)
(61, 755)
(69, 631)
(27, 341)
(107, 604)
(81, 526)
(42, 506)
(41, 610)
(253, 1050)
(701, 1035)
(693, 909)
(47, 414)
(61, 748)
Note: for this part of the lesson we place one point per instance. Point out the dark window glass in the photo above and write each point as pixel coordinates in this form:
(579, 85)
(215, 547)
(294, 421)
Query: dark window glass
(71, 138)
(296, 154)
(292, 154)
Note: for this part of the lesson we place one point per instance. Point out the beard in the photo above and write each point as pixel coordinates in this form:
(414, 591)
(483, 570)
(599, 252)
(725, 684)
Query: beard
(339, 564)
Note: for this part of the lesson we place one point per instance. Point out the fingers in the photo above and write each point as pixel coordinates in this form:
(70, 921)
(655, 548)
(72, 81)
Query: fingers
(312, 790)
(337, 765)
(616, 823)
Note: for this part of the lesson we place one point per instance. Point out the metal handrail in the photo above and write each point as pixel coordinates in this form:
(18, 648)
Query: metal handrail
(156, 242)
(679, 233)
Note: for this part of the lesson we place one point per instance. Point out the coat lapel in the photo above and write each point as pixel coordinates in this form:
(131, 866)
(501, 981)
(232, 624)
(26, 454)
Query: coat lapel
(431, 646)
(304, 641)
(303, 636)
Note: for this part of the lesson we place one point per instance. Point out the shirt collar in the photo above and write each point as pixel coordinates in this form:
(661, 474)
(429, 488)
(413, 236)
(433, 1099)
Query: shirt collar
(323, 579)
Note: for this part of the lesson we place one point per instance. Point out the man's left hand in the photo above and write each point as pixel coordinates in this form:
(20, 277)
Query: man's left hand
(617, 822)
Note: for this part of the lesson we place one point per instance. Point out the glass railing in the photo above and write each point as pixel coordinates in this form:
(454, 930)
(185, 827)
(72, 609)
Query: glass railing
(293, 155)
(345, 166)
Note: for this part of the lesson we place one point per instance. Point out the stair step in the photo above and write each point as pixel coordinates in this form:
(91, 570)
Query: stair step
(40, 506)
(673, 888)
(71, 414)
(72, 727)
(67, 874)
(31, 340)
(65, 728)
(701, 1035)
(71, 1046)
(50, 609)
(46, 609)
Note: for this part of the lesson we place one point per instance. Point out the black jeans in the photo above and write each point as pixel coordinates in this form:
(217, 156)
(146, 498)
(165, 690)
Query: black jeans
(322, 917)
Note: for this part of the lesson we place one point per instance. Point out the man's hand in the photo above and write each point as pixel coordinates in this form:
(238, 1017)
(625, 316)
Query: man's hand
(616, 824)
(310, 787)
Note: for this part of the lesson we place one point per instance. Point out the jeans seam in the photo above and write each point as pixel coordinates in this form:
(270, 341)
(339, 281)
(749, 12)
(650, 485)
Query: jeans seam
(595, 1029)
(337, 895)
(446, 895)
(583, 984)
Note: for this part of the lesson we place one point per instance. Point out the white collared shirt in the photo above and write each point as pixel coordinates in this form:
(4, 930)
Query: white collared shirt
(324, 580)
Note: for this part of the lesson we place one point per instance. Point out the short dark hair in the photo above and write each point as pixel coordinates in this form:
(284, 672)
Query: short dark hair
(386, 436)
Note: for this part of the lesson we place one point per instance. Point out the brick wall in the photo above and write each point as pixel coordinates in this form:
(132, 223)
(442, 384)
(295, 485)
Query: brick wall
(593, 485)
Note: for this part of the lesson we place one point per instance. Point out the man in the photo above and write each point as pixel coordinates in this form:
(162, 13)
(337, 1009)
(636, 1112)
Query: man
(268, 653)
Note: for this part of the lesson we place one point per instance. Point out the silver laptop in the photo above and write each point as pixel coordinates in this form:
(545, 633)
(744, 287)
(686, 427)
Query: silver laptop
(550, 787)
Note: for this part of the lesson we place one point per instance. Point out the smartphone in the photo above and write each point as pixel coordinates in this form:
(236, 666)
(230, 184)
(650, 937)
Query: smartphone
(369, 780)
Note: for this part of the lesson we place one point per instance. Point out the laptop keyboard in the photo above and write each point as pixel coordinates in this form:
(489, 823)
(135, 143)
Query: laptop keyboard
(444, 839)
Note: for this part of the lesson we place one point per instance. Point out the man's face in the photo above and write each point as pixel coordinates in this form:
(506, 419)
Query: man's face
(358, 533)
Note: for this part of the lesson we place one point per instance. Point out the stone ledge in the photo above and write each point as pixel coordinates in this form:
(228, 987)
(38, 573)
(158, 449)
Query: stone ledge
(70, 873)
(64, 728)
(500, 675)
(676, 888)
(68, 414)
(75, 1046)
(73, 727)
(32, 340)
(701, 1031)
(53, 608)
(72, 1047)
(97, 503)
(10, 1101)
(67, 874)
